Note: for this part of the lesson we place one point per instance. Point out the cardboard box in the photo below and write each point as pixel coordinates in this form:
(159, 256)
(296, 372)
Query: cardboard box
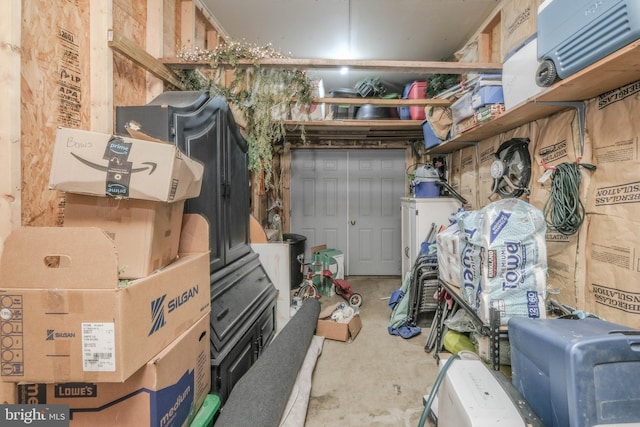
(100, 164)
(8, 395)
(167, 391)
(66, 316)
(519, 22)
(338, 331)
(146, 233)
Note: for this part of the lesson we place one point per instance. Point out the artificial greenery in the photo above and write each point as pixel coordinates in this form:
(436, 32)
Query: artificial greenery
(265, 96)
(371, 87)
(438, 83)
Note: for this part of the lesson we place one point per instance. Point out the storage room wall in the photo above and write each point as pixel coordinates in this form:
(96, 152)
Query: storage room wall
(597, 268)
(58, 70)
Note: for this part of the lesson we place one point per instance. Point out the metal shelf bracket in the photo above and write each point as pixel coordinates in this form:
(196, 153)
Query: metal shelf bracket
(580, 107)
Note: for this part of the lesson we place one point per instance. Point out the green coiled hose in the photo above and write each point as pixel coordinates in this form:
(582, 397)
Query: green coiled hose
(564, 211)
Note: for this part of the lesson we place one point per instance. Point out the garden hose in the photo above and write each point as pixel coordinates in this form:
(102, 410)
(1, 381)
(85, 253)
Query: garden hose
(434, 390)
(564, 211)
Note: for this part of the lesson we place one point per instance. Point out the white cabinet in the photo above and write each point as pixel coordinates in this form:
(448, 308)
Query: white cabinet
(418, 215)
(275, 258)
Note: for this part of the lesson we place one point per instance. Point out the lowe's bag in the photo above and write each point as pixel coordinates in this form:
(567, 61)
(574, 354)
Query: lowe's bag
(504, 259)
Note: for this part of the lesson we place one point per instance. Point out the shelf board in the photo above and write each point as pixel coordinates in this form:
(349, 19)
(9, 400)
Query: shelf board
(389, 130)
(431, 67)
(616, 70)
(436, 102)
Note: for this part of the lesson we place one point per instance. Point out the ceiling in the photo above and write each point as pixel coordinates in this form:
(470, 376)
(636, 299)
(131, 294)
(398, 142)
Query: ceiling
(411, 30)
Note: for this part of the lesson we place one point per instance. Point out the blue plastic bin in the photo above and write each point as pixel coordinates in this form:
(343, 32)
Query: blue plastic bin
(430, 138)
(405, 112)
(576, 373)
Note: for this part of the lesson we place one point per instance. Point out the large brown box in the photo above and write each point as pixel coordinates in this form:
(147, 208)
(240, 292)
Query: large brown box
(146, 233)
(67, 317)
(167, 391)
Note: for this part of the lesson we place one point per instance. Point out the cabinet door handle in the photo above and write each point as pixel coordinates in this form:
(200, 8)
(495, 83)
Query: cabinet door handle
(406, 251)
(222, 314)
(353, 222)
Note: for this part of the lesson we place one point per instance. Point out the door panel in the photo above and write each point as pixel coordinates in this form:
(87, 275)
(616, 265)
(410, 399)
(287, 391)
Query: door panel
(350, 201)
(377, 183)
(319, 197)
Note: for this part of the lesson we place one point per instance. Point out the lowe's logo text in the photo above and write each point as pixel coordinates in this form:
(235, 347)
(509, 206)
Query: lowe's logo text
(52, 334)
(158, 307)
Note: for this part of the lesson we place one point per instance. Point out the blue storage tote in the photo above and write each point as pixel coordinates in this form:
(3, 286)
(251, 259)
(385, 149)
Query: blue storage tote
(487, 95)
(484, 90)
(404, 112)
(430, 138)
(575, 34)
(577, 373)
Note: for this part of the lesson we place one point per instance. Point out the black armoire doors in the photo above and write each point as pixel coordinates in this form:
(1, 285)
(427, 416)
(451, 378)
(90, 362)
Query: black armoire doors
(204, 129)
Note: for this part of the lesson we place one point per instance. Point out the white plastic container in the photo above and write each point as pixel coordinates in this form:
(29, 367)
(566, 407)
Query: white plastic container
(470, 396)
(519, 75)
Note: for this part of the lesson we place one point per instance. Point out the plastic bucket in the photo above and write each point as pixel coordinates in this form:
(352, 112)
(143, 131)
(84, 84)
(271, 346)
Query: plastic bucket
(426, 189)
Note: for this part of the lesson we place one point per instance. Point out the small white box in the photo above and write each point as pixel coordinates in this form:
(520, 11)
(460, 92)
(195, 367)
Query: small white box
(519, 75)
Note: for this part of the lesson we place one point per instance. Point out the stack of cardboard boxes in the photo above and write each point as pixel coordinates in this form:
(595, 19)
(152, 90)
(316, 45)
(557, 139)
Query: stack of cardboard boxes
(110, 313)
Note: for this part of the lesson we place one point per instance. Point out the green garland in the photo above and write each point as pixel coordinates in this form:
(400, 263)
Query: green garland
(265, 96)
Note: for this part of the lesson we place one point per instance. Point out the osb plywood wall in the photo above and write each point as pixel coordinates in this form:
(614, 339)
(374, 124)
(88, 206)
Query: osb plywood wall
(54, 91)
(56, 81)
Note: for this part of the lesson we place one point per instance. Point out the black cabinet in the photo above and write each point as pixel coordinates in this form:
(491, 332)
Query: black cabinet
(227, 369)
(243, 298)
(204, 129)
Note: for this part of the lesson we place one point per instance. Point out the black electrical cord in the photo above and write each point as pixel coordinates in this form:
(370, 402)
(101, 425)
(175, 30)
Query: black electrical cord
(504, 156)
(564, 211)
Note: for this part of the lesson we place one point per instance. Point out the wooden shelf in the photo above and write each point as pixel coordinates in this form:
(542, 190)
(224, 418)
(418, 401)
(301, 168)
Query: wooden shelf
(427, 67)
(616, 70)
(384, 101)
(361, 130)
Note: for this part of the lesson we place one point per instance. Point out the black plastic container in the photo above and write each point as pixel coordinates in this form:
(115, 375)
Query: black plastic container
(297, 246)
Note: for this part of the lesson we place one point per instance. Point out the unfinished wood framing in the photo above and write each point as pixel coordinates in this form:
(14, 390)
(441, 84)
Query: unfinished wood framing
(155, 43)
(10, 141)
(100, 63)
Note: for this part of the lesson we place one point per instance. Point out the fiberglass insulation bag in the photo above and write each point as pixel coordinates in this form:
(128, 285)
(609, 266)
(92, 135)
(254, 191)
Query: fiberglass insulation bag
(504, 259)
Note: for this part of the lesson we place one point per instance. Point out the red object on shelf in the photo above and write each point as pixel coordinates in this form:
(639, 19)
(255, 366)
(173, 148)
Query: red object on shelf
(417, 91)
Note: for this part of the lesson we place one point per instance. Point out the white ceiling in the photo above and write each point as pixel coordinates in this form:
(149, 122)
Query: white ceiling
(414, 30)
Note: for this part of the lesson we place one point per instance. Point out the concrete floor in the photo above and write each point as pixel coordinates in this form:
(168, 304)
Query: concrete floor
(378, 379)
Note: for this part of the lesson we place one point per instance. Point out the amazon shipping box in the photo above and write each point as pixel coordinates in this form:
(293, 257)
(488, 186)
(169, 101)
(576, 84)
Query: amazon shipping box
(101, 164)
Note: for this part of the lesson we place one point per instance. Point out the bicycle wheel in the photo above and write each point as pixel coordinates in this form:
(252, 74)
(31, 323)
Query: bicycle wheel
(308, 290)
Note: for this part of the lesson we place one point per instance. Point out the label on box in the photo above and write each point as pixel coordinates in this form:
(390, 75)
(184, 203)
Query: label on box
(98, 347)
(119, 169)
(11, 335)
